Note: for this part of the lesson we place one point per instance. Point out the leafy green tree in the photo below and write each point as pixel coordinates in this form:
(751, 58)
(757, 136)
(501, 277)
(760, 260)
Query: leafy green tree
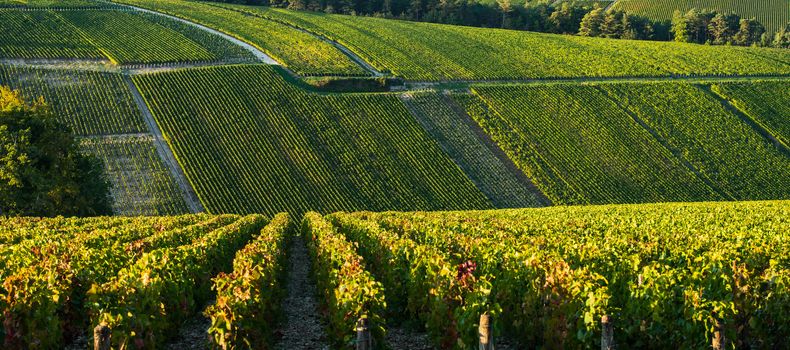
(591, 22)
(680, 27)
(42, 172)
(566, 18)
(749, 33)
(722, 28)
(612, 26)
(505, 7)
(782, 38)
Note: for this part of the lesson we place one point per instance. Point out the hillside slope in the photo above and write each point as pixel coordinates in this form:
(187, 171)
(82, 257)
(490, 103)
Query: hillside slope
(251, 142)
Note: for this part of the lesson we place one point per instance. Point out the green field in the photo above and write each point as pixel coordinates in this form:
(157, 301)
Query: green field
(766, 103)
(300, 52)
(426, 51)
(579, 147)
(773, 14)
(262, 145)
(128, 38)
(42, 34)
(90, 103)
(123, 37)
(479, 161)
(739, 161)
(142, 185)
(51, 3)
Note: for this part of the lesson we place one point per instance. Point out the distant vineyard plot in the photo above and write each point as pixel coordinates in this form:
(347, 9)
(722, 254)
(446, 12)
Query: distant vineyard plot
(768, 103)
(616, 143)
(580, 148)
(123, 37)
(250, 142)
(51, 3)
(301, 52)
(427, 51)
(774, 14)
(142, 185)
(90, 103)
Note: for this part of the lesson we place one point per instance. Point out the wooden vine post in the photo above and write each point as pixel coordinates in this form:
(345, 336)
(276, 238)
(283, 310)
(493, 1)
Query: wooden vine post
(101, 337)
(719, 339)
(364, 340)
(607, 333)
(485, 332)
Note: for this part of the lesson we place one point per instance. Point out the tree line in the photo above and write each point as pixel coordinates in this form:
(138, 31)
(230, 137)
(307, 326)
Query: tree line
(583, 18)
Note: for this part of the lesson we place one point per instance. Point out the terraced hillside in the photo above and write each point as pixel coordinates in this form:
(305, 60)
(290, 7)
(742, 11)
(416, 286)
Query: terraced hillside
(774, 14)
(251, 142)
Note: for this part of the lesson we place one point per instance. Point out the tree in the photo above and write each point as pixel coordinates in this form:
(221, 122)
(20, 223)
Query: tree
(612, 26)
(680, 27)
(782, 38)
(505, 7)
(591, 22)
(566, 18)
(42, 172)
(750, 32)
(722, 28)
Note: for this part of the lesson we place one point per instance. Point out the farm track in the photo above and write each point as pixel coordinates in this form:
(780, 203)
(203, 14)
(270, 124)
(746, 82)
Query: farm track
(165, 153)
(301, 327)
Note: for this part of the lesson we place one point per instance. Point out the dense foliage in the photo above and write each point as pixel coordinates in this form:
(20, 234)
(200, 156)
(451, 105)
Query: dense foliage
(248, 298)
(142, 184)
(49, 266)
(346, 288)
(89, 103)
(718, 29)
(261, 145)
(425, 51)
(43, 172)
(580, 147)
(663, 272)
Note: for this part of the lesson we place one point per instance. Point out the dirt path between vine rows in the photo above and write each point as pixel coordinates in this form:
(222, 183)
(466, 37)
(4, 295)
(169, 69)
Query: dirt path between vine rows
(302, 327)
(165, 153)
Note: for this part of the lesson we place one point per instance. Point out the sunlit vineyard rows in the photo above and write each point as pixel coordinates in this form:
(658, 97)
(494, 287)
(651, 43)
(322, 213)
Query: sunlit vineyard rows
(579, 147)
(741, 163)
(250, 142)
(300, 52)
(142, 185)
(426, 51)
(664, 272)
(774, 14)
(51, 3)
(768, 103)
(128, 38)
(42, 34)
(90, 103)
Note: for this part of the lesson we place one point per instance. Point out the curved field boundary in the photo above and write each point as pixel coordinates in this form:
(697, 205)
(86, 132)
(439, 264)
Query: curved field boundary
(353, 56)
(260, 55)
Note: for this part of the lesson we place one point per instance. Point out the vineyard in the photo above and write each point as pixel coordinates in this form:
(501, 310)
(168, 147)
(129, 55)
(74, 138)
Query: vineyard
(579, 147)
(123, 37)
(725, 149)
(774, 14)
(90, 103)
(142, 185)
(426, 51)
(299, 51)
(51, 3)
(461, 141)
(262, 145)
(766, 103)
(663, 274)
